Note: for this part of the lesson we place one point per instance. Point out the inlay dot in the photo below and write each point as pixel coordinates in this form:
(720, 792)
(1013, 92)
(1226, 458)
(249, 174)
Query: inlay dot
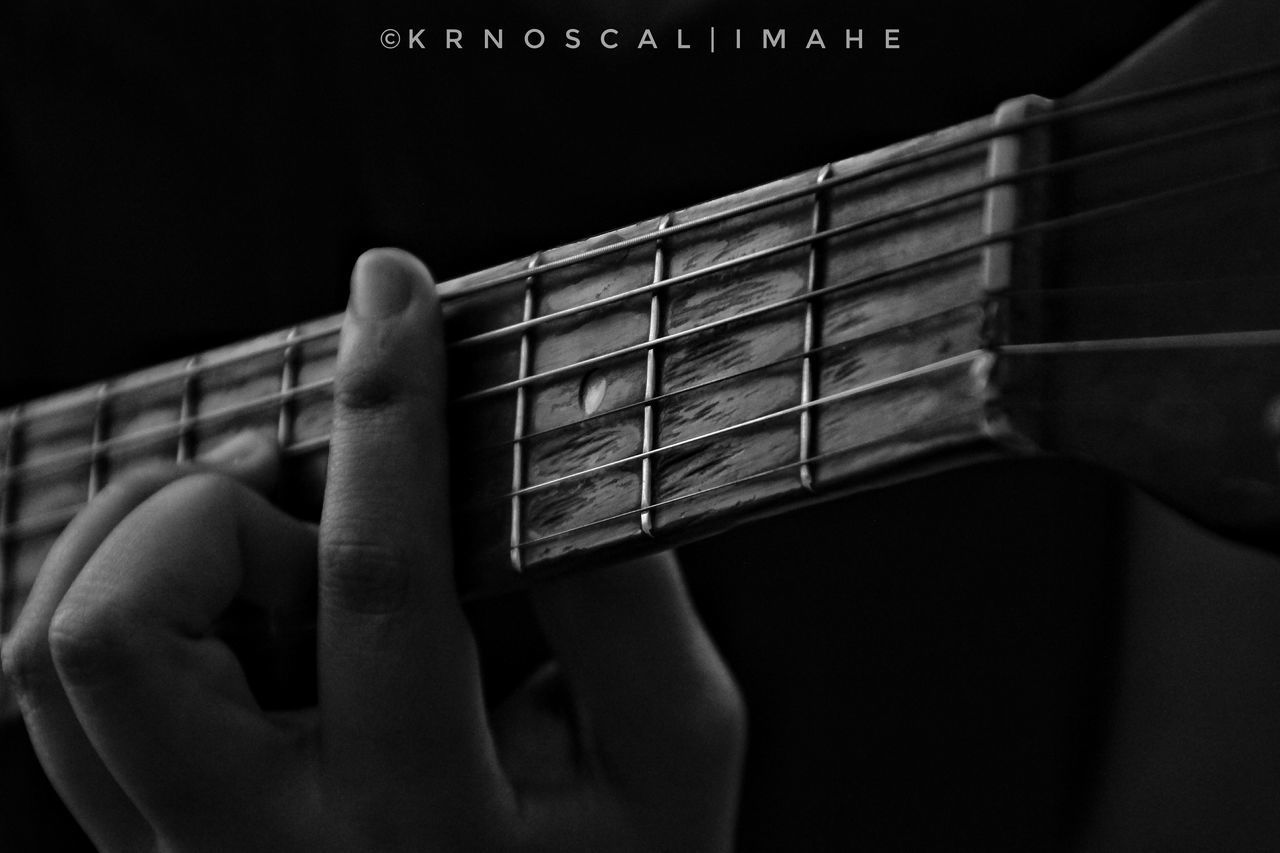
(591, 395)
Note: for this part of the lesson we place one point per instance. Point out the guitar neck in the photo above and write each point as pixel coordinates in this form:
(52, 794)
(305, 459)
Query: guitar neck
(629, 391)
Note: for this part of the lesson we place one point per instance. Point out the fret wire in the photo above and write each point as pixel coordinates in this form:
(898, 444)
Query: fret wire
(729, 377)
(517, 446)
(1028, 123)
(848, 393)
(1049, 225)
(187, 409)
(97, 459)
(330, 326)
(780, 469)
(8, 497)
(651, 384)
(810, 337)
(1044, 170)
(288, 379)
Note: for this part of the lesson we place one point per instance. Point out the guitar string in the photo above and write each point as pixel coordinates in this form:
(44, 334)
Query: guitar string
(80, 453)
(329, 326)
(1207, 340)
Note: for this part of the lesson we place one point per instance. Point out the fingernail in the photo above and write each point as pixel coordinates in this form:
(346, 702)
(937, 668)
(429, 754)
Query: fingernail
(381, 285)
(238, 448)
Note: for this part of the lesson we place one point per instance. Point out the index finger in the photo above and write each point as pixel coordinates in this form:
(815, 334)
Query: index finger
(399, 684)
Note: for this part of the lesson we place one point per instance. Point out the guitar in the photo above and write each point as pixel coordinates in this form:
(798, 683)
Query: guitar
(1090, 277)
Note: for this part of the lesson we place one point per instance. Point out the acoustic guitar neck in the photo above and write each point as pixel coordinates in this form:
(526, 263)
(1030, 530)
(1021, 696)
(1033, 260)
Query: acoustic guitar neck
(1093, 278)
(633, 390)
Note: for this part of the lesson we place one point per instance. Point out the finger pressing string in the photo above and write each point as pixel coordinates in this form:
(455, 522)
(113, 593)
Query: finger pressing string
(399, 677)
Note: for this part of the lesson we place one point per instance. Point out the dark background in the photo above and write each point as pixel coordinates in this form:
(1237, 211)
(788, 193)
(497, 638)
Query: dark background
(929, 666)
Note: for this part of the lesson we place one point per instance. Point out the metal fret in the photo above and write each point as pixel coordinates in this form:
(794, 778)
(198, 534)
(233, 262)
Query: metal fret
(97, 458)
(810, 338)
(8, 497)
(517, 446)
(288, 381)
(651, 383)
(187, 412)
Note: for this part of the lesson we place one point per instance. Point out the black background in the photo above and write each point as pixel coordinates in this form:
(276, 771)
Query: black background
(927, 666)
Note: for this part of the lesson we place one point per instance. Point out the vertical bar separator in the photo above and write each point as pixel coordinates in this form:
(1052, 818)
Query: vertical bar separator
(517, 446)
(651, 389)
(187, 411)
(97, 461)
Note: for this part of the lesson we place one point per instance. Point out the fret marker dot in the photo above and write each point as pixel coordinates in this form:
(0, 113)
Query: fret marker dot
(591, 394)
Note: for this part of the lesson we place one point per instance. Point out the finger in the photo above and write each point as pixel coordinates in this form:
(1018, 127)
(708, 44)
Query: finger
(658, 707)
(163, 701)
(73, 767)
(400, 695)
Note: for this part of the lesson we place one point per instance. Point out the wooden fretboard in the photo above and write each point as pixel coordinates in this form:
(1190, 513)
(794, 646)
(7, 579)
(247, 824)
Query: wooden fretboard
(635, 389)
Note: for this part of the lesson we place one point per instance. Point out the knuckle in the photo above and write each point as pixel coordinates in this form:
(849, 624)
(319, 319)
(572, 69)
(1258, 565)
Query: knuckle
(365, 388)
(140, 478)
(733, 717)
(205, 489)
(88, 642)
(364, 575)
(716, 725)
(26, 662)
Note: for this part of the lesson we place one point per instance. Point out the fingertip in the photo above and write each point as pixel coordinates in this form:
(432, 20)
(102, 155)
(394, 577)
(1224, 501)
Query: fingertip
(244, 446)
(385, 281)
(392, 339)
(252, 456)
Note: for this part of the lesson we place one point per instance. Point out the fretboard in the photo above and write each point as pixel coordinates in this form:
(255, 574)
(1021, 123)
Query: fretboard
(626, 392)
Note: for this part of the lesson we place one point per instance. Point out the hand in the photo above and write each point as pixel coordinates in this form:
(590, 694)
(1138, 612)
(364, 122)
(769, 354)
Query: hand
(143, 719)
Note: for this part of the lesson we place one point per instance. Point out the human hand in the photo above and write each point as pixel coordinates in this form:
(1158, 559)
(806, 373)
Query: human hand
(144, 721)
